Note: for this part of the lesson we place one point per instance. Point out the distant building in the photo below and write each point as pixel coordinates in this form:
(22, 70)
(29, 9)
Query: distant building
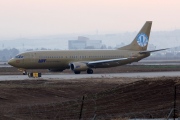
(151, 47)
(120, 45)
(84, 43)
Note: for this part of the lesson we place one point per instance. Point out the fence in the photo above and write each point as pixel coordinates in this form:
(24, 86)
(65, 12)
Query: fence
(141, 100)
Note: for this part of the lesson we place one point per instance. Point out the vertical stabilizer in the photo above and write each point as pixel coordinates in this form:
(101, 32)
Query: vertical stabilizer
(140, 42)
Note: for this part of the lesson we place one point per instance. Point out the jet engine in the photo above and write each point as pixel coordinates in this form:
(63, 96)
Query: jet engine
(78, 66)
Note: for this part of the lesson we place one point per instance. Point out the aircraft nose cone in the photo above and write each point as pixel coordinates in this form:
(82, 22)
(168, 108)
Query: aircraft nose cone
(11, 62)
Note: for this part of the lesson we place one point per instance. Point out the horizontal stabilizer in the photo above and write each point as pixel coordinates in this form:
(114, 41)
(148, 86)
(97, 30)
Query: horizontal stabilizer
(150, 51)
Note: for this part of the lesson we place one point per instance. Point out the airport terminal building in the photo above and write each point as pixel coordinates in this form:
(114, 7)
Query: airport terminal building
(84, 43)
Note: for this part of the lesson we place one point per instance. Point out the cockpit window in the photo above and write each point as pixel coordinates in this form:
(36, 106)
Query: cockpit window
(19, 56)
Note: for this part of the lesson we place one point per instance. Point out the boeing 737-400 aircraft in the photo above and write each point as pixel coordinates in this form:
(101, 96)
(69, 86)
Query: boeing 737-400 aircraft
(86, 60)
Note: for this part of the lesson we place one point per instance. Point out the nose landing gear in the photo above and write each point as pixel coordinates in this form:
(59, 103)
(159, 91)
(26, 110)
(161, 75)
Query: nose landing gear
(24, 72)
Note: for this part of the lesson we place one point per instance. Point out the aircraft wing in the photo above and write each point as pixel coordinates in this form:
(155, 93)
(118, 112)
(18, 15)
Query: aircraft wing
(94, 63)
(150, 51)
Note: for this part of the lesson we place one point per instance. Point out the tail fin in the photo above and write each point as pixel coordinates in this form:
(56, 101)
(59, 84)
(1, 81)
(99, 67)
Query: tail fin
(140, 42)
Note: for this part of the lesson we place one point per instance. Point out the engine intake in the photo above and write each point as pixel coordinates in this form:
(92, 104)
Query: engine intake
(78, 66)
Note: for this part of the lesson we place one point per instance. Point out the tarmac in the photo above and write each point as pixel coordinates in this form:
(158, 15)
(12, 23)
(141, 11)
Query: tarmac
(80, 76)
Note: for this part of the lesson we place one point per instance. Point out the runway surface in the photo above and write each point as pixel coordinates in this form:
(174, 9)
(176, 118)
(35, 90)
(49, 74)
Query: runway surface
(80, 76)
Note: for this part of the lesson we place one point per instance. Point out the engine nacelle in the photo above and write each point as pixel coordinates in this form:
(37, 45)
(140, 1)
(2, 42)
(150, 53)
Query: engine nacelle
(55, 70)
(78, 66)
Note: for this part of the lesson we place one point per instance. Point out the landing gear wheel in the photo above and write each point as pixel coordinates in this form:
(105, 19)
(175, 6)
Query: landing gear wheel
(77, 72)
(24, 73)
(89, 71)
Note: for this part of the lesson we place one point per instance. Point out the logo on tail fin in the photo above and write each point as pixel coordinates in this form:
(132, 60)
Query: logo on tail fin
(142, 39)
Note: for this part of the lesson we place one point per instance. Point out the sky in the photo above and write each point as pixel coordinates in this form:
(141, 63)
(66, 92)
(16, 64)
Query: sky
(25, 18)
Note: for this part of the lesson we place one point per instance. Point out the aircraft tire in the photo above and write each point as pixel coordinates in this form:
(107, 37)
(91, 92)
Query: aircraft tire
(89, 71)
(24, 73)
(77, 72)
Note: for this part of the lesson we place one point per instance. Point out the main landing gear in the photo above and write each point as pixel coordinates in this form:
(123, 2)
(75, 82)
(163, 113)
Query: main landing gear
(89, 71)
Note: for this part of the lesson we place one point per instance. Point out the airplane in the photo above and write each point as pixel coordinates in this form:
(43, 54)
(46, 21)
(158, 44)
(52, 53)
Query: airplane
(86, 60)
